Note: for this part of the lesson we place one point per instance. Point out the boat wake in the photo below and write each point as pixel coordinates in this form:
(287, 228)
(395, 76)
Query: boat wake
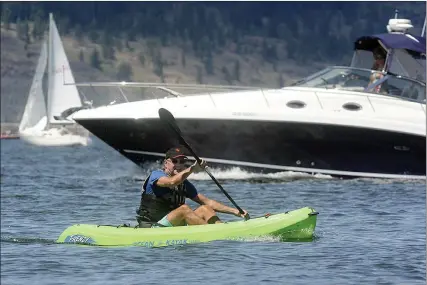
(384, 181)
(27, 240)
(238, 174)
(276, 239)
(265, 239)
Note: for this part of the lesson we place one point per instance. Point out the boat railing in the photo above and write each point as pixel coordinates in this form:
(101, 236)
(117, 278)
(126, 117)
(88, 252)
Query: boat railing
(167, 89)
(171, 90)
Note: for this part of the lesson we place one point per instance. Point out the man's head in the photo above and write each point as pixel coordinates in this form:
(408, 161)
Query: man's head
(175, 159)
(379, 58)
(379, 53)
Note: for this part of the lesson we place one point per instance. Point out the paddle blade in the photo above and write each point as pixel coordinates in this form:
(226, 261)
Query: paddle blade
(169, 119)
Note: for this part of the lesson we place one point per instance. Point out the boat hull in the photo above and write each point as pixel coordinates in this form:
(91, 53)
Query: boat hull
(293, 225)
(9, 137)
(54, 138)
(338, 150)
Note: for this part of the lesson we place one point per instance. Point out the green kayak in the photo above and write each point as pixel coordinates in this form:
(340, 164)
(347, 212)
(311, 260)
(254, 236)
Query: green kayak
(293, 225)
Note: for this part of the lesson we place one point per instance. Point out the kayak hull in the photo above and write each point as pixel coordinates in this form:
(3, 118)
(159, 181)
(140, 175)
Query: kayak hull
(293, 225)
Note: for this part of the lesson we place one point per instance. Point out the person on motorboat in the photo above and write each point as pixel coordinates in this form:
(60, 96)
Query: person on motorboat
(379, 55)
(164, 193)
(378, 65)
(379, 59)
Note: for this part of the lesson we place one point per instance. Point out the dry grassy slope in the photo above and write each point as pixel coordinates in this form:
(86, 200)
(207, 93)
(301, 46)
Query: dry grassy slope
(18, 65)
(254, 71)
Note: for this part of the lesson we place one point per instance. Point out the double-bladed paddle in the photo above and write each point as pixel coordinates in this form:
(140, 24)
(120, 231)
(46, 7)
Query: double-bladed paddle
(169, 119)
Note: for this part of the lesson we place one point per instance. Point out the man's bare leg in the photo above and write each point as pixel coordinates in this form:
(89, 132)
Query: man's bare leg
(207, 214)
(185, 214)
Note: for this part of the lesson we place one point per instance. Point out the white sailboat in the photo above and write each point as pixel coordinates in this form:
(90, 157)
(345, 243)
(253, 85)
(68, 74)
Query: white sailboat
(41, 123)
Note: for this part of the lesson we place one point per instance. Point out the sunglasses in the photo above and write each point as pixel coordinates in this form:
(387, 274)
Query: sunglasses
(178, 160)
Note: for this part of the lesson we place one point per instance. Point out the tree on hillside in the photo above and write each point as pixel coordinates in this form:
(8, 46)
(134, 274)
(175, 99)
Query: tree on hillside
(25, 33)
(95, 60)
(158, 65)
(108, 52)
(63, 26)
(127, 45)
(152, 46)
(5, 16)
(18, 28)
(281, 81)
(131, 35)
(81, 56)
(283, 32)
(39, 21)
(38, 28)
(78, 33)
(141, 58)
(209, 66)
(124, 72)
(199, 75)
(274, 66)
(237, 70)
(107, 42)
(183, 61)
(268, 51)
(265, 26)
(93, 36)
(227, 75)
(106, 38)
(164, 40)
(119, 44)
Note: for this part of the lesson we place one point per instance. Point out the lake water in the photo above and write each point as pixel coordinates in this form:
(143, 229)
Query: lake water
(369, 231)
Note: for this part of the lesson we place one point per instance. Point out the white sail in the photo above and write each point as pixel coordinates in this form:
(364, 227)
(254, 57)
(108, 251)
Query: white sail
(38, 125)
(60, 96)
(34, 116)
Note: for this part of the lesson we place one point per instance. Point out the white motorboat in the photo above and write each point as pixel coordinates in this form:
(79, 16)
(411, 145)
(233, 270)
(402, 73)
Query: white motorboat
(337, 121)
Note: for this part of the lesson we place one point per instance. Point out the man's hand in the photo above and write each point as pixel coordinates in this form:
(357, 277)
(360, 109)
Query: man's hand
(245, 214)
(195, 168)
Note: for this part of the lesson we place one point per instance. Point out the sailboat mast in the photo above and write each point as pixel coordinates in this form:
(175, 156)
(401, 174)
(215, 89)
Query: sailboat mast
(49, 70)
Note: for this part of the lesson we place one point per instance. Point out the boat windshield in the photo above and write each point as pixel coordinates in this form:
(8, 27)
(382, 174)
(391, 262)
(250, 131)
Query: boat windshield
(368, 81)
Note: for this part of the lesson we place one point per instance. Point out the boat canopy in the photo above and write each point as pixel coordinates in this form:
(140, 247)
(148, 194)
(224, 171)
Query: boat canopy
(409, 42)
(406, 53)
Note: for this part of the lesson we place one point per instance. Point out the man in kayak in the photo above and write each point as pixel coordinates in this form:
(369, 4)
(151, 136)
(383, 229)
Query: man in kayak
(164, 193)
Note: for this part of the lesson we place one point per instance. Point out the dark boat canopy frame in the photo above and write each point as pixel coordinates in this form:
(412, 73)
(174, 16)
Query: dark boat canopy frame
(411, 43)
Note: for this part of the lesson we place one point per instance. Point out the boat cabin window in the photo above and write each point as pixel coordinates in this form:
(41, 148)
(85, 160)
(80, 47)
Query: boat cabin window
(362, 59)
(405, 88)
(409, 64)
(357, 79)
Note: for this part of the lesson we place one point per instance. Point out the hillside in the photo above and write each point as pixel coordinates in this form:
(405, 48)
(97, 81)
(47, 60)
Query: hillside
(18, 65)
